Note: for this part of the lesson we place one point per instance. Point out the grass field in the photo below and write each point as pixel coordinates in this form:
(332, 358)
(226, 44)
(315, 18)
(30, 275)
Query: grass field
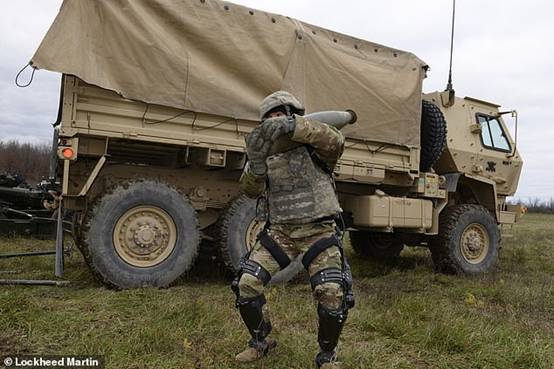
(406, 316)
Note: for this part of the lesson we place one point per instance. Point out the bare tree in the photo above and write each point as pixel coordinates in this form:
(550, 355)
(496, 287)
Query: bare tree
(29, 160)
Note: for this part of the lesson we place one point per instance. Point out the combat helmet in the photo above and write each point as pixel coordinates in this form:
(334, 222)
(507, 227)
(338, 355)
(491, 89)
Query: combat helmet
(280, 98)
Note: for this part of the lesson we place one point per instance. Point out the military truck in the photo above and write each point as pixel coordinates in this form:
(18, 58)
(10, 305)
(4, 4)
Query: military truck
(152, 120)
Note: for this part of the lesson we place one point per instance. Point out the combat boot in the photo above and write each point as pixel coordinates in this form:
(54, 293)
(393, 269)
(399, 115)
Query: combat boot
(335, 365)
(259, 326)
(327, 360)
(256, 350)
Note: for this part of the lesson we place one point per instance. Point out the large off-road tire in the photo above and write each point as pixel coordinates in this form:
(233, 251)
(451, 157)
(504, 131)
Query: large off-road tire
(375, 245)
(433, 135)
(238, 230)
(468, 241)
(139, 234)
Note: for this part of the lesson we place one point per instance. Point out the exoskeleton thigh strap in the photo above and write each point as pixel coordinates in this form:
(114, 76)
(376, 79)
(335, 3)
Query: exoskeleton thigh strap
(318, 247)
(274, 249)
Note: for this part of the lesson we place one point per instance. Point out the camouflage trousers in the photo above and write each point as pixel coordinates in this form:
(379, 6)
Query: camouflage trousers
(295, 240)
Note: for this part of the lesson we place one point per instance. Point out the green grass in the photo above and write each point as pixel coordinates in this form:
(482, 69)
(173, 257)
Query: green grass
(406, 316)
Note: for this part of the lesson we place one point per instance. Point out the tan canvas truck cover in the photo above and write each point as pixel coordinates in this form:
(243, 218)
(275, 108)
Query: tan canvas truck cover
(220, 58)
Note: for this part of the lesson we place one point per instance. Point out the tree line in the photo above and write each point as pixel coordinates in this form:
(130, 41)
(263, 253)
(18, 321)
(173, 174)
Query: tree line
(28, 160)
(537, 205)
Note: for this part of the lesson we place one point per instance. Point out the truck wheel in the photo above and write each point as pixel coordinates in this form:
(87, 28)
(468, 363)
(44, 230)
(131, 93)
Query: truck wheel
(433, 135)
(375, 245)
(142, 233)
(238, 231)
(468, 241)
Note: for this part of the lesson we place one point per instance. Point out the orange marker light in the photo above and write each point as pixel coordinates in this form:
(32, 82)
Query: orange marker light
(68, 153)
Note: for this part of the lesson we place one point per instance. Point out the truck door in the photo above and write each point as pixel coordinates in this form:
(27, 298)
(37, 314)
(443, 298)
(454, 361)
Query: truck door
(495, 153)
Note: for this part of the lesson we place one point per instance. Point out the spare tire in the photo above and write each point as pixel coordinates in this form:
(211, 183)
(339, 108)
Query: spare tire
(433, 135)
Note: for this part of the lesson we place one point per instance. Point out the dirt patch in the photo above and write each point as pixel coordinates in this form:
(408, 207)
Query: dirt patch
(418, 362)
(7, 345)
(12, 344)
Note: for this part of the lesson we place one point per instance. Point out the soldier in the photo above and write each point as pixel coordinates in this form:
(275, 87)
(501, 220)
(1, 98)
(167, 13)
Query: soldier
(298, 188)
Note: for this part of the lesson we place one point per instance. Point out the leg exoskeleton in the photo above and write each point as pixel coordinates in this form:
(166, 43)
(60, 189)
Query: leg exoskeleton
(331, 320)
(251, 308)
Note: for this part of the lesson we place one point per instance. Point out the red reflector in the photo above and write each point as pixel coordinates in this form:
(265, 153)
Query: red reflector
(67, 153)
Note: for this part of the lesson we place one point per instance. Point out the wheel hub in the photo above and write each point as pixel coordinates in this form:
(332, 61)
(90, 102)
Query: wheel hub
(254, 228)
(148, 236)
(475, 243)
(144, 236)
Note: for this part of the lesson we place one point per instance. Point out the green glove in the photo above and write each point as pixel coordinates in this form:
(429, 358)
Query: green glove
(257, 149)
(272, 128)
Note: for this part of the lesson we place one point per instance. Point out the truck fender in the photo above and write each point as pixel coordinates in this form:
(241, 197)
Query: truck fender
(483, 189)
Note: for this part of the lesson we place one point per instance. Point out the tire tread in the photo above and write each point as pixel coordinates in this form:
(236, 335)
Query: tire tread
(448, 221)
(84, 244)
(433, 135)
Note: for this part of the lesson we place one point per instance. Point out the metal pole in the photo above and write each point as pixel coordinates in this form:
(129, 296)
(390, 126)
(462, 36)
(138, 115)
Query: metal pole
(59, 242)
(32, 282)
(21, 254)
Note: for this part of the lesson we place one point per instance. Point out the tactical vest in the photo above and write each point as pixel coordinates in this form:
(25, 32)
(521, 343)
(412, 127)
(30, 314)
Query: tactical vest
(299, 190)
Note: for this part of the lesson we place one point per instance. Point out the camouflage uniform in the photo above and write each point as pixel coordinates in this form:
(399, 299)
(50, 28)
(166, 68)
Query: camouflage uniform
(302, 203)
(296, 239)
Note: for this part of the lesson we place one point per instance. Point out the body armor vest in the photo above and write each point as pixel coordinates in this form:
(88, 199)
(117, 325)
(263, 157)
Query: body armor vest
(299, 191)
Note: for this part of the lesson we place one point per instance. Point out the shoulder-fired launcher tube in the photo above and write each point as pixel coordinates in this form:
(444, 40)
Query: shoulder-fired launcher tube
(337, 119)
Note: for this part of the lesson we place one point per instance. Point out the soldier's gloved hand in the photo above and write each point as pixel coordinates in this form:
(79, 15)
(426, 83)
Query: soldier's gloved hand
(257, 149)
(272, 128)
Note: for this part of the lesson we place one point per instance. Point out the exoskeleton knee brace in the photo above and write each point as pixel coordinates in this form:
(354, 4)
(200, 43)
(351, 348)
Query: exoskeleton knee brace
(342, 276)
(331, 321)
(251, 308)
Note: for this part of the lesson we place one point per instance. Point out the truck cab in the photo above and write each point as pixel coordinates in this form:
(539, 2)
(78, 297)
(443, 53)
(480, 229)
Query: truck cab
(481, 151)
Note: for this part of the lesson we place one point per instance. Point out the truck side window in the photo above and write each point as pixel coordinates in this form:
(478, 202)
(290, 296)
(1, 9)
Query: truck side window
(492, 134)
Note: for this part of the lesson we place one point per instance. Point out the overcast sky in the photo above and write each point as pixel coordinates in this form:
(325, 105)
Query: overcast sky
(504, 52)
